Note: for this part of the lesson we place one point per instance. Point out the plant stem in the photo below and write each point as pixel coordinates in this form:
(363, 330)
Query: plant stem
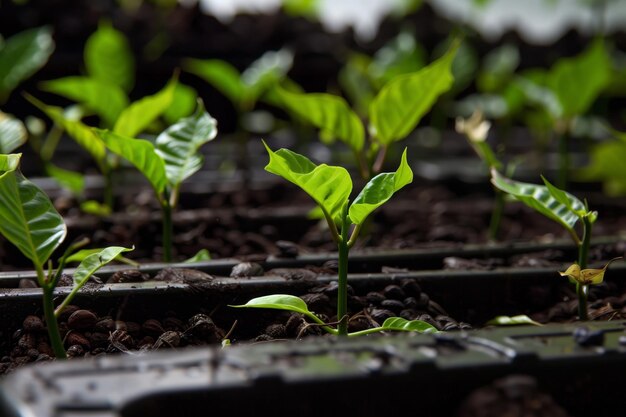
(166, 209)
(496, 215)
(108, 188)
(342, 291)
(564, 161)
(51, 321)
(583, 254)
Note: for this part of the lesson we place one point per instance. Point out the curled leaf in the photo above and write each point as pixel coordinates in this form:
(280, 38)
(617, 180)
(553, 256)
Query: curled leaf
(586, 276)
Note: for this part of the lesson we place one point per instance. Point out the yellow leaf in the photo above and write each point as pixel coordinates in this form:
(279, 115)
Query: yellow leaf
(586, 276)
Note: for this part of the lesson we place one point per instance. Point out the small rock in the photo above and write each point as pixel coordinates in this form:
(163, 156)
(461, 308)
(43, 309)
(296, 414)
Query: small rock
(247, 269)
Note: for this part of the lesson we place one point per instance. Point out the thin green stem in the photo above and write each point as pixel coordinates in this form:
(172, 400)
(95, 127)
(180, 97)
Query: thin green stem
(166, 209)
(496, 215)
(342, 291)
(583, 255)
(56, 340)
(564, 161)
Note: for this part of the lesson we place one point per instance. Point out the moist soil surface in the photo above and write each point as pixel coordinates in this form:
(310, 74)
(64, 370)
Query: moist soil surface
(253, 225)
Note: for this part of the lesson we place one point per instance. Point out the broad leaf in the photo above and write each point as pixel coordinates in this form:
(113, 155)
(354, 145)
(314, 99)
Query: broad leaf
(22, 55)
(578, 81)
(329, 113)
(379, 190)
(402, 102)
(82, 254)
(141, 113)
(220, 74)
(512, 321)
(27, 217)
(108, 57)
(401, 55)
(93, 262)
(106, 100)
(264, 73)
(81, 133)
(607, 165)
(539, 198)
(178, 145)
(278, 302)
(329, 186)
(141, 153)
(12, 133)
(400, 324)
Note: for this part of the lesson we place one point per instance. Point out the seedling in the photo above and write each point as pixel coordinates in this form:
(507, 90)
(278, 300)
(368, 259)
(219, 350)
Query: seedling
(168, 162)
(31, 223)
(566, 210)
(330, 187)
(565, 93)
(393, 113)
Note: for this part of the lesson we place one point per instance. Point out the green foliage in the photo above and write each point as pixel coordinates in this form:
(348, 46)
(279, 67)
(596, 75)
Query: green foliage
(106, 100)
(31, 223)
(402, 102)
(29, 220)
(329, 113)
(607, 165)
(12, 133)
(21, 56)
(548, 200)
(246, 88)
(201, 256)
(109, 58)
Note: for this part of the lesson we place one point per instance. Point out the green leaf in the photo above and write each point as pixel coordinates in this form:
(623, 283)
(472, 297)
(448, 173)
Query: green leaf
(178, 145)
(400, 324)
(183, 103)
(202, 255)
(13, 134)
(264, 73)
(73, 181)
(22, 55)
(141, 113)
(402, 55)
(607, 165)
(81, 133)
(106, 100)
(220, 74)
(27, 217)
(539, 198)
(141, 153)
(512, 321)
(578, 81)
(329, 186)
(95, 207)
(93, 262)
(403, 101)
(379, 190)
(329, 113)
(278, 302)
(108, 57)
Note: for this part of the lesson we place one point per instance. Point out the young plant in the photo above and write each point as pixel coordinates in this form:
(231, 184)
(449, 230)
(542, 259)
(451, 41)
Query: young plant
(31, 223)
(331, 187)
(168, 162)
(565, 93)
(393, 113)
(476, 130)
(566, 210)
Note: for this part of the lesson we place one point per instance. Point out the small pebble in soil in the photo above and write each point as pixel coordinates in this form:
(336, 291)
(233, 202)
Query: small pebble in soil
(247, 269)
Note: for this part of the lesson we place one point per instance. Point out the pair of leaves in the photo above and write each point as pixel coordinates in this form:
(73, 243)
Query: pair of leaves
(243, 89)
(555, 204)
(296, 304)
(174, 157)
(331, 186)
(393, 113)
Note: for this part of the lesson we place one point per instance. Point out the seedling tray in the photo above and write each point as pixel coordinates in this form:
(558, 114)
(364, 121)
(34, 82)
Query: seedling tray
(428, 375)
